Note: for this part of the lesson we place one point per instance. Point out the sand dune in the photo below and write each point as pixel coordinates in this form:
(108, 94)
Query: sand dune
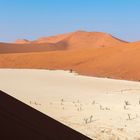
(113, 62)
(88, 53)
(101, 108)
(74, 40)
(81, 39)
(20, 122)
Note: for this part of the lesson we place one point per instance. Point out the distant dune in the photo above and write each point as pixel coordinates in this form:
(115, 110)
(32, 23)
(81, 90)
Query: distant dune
(88, 53)
(22, 41)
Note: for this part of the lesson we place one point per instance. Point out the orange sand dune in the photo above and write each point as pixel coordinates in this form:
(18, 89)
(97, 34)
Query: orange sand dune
(113, 62)
(88, 53)
(74, 40)
(81, 39)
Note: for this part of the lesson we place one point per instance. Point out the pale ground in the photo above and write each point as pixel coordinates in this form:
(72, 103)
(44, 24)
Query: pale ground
(101, 108)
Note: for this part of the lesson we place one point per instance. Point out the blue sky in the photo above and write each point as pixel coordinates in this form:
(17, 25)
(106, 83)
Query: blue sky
(31, 19)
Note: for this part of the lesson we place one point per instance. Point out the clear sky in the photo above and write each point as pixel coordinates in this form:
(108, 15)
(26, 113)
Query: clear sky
(31, 19)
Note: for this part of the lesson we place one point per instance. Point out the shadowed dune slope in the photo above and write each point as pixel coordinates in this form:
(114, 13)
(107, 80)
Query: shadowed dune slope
(19, 121)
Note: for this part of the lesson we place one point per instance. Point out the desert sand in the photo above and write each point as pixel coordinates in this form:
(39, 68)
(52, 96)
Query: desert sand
(88, 53)
(101, 108)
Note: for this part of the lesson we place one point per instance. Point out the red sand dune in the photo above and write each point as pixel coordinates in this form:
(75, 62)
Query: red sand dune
(88, 53)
